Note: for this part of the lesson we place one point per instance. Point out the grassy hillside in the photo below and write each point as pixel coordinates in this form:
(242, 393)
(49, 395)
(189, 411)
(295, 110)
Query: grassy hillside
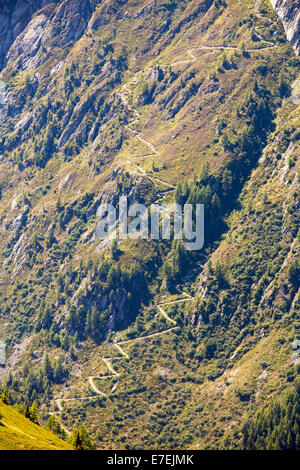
(18, 433)
(169, 101)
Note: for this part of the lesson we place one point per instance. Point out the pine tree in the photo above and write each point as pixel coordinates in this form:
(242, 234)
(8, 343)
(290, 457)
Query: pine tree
(185, 191)
(27, 411)
(88, 324)
(215, 206)
(88, 444)
(54, 426)
(114, 249)
(226, 142)
(284, 88)
(95, 323)
(218, 271)
(4, 396)
(27, 83)
(204, 172)
(178, 193)
(46, 318)
(33, 413)
(77, 441)
(81, 439)
(59, 370)
(224, 61)
(227, 182)
(294, 273)
(47, 367)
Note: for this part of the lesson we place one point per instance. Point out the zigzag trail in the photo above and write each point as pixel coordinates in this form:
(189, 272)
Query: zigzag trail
(118, 345)
(155, 152)
(140, 171)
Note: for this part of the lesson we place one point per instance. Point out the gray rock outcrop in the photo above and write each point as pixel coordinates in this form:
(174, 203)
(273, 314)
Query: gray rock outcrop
(289, 13)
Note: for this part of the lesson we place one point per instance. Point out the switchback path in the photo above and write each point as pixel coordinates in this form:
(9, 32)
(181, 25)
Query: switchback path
(141, 171)
(215, 48)
(118, 345)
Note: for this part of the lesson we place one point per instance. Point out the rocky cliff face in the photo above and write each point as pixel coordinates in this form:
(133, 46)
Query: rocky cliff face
(23, 31)
(289, 13)
(14, 17)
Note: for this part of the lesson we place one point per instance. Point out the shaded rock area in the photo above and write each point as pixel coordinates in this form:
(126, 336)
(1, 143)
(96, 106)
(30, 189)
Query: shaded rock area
(289, 13)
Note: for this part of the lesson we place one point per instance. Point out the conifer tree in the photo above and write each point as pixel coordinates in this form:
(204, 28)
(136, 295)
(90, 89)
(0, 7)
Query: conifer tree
(77, 443)
(4, 396)
(33, 413)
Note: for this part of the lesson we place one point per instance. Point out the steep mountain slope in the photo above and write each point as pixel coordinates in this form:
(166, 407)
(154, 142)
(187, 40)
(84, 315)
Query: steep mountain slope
(192, 101)
(18, 433)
